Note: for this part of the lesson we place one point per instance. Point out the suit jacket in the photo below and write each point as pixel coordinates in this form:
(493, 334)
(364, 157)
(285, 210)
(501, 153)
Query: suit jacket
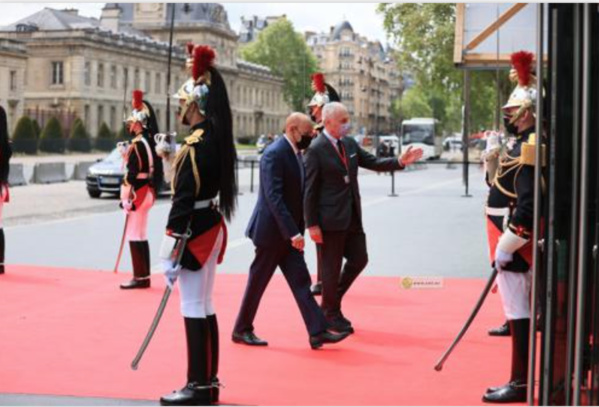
(278, 215)
(329, 199)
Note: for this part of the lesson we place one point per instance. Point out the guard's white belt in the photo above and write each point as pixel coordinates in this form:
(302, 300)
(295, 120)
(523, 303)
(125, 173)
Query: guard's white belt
(497, 211)
(204, 204)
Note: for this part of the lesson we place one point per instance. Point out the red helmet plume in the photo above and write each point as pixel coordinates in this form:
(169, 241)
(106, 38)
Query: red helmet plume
(203, 58)
(137, 101)
(522, 63)
(318, 83)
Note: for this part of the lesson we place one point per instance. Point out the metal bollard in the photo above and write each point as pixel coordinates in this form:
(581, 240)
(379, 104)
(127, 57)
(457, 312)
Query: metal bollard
(393, 194)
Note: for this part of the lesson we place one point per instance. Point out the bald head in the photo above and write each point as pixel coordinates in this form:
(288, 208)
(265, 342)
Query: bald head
(298, 125)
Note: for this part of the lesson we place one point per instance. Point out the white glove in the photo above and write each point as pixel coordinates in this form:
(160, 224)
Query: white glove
(170, 273)
(502, 259)
(127, 205)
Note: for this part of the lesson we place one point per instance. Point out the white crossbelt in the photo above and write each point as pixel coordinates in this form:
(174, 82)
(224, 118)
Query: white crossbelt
(497, 211)
(204, 204)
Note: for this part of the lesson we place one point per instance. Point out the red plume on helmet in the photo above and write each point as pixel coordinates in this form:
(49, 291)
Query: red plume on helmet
(203, 57)
(318, 83)
(522, 63)
(137, 101)
(190, 48)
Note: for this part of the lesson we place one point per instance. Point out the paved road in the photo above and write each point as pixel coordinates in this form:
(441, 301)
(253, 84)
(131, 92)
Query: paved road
(429, 230)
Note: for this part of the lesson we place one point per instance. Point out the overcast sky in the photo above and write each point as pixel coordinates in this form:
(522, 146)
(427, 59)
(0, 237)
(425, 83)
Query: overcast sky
(305, 16)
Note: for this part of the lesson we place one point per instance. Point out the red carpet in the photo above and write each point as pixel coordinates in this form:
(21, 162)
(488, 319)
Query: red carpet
(73, 332)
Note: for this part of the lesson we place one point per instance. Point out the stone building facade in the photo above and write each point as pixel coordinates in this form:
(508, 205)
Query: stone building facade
(13, 62)
(85, 67)
(363, 74)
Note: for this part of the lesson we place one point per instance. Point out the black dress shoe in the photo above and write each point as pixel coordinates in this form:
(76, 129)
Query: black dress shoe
(513, 392)
(249, 338)
(503, 330)
(339, 325)
(135, 283)
(316, 341)
(190, 395)
(316, 288)
(344, 320)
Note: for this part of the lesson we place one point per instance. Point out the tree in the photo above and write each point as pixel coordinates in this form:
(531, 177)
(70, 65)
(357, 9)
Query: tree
(105, 140)
(412, 104)
(79, 139)
(52, 140)
(424, 38)
(23, 138)
(286, 53)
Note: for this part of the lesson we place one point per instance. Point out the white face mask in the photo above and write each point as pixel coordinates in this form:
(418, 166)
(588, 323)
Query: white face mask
(344, 129)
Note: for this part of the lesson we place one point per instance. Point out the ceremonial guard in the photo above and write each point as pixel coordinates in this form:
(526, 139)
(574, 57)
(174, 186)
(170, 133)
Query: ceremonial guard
(5, 154)
(323, 94)
(510, 208)
(202, 171)
(143, 178)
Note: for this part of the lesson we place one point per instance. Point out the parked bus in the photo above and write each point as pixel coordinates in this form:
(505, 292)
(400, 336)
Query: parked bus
(423, 133)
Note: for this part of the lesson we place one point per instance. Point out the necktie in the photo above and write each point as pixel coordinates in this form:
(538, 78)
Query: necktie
(300, 161)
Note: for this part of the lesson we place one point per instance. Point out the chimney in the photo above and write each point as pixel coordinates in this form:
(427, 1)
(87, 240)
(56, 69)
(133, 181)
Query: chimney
(71, 11)
(110, 18)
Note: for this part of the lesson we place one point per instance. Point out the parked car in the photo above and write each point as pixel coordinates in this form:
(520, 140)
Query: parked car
(106, 176)
(453, 143)
(263, 142)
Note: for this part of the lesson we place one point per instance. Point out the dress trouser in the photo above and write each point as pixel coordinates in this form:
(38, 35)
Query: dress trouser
(295, 271)
(351, 245)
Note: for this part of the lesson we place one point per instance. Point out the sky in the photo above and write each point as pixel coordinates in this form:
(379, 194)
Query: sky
(305, 16)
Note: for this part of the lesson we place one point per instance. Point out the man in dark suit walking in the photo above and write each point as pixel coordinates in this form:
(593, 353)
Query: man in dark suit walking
(333, 208)
(276, 229)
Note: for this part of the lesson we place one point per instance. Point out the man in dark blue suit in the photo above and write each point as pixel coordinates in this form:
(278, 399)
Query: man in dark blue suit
(276, 229)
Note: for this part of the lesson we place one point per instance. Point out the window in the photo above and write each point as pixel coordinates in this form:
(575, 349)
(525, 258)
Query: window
(113, 76)
(125, 78)
(13, 80)
(86, 115)
(100, 81)
(113, 124)
(148, 82)
(87, 73)
(57, 73)
(158, 83)
(136, 80)
(100, 115)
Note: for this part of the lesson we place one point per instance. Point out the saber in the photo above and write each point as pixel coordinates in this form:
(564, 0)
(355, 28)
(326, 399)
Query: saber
(481, 300)
(176, 254)
(118, 257)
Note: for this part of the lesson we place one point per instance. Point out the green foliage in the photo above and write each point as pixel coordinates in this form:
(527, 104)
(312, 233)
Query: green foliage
(412, 104)
(37, 128)
(105, 132)
(24, 138)
(286, 53)
(424, 38)
(52, 140)
(79, 139)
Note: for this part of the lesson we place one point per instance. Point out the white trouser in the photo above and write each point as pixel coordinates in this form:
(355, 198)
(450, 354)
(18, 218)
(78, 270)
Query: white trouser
(196, 286)
(515, 294)
(137, 228)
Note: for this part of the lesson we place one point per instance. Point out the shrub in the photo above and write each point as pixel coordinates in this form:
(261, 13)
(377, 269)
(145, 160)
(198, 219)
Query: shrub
(52, 140)
(79, 139)
(105, 140)
(23, 138)
(37, 128)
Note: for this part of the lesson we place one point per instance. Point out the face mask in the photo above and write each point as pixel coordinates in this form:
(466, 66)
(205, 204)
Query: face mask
(304, 142)
(344, 130)
(510, 127)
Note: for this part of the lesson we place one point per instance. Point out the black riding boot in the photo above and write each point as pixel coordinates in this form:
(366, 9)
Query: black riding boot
(213, 354)
(197, 391)
(140, 257)
(503, 330)
(515, 390)
(2, 251)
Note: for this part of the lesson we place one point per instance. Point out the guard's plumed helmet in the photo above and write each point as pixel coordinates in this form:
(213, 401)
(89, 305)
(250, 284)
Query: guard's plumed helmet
(323, 92)
(197, 87)
(524, 96)
(140, 112)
